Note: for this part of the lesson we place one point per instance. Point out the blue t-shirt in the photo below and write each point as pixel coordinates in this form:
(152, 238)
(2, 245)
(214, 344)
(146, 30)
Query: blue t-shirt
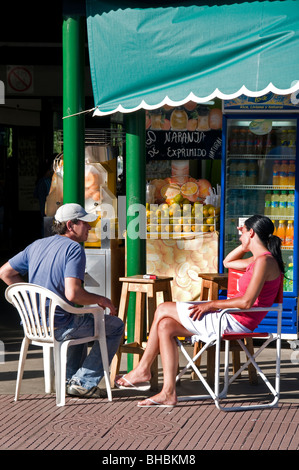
(48, 262)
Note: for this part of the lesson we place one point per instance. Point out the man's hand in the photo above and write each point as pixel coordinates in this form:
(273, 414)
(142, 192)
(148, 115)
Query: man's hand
(76, 294)
(106, 303)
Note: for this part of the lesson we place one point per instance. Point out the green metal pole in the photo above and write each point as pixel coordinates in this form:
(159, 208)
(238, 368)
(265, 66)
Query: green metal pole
(135, 194)
(73, 42)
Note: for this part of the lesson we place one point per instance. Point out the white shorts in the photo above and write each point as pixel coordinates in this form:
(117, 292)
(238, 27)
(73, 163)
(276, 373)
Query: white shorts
(207, 327)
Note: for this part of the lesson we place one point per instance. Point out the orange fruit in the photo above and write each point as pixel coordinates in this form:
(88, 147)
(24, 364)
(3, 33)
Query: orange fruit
(190, 105)
(189, 189)
(165, 124)
(169, 191)
(215, 118)
(178, 119)
(192, 124)
(204, 186)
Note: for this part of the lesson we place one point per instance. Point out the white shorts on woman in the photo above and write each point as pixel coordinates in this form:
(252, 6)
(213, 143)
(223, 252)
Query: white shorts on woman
(207, 328)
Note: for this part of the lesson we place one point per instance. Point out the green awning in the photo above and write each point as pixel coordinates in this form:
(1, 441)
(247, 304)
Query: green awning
(145, 57)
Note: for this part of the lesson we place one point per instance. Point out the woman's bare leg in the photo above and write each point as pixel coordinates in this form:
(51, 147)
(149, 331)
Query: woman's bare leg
(142, 371)
(168, 330)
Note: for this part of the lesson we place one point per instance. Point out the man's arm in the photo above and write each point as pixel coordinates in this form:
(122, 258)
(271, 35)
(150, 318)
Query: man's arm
(75, 293)
(10, 275)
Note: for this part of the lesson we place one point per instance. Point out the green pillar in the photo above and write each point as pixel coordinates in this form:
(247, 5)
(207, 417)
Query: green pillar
(73, 44)
(135, 194)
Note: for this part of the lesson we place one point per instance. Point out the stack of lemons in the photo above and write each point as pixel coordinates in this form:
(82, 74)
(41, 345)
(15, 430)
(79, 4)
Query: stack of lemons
(181, 217)
(210, 218)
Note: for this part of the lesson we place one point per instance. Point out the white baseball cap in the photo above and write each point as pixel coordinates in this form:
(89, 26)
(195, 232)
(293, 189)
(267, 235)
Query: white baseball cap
(73, 211)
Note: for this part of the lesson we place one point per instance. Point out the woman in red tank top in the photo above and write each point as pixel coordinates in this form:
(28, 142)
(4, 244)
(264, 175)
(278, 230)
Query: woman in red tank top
(263, 273)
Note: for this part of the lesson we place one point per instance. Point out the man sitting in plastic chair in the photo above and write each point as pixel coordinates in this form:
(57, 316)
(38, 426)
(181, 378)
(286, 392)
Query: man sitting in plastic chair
(258, 287)
(58, 264)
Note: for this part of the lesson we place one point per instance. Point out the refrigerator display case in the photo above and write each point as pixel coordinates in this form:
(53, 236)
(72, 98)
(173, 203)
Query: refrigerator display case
(260, 176)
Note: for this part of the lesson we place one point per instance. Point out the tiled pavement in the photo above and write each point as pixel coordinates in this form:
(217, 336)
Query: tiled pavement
(35, 423)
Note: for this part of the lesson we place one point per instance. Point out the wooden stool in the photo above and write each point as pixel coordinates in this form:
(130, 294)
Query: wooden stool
(142, 287)
(211, 283)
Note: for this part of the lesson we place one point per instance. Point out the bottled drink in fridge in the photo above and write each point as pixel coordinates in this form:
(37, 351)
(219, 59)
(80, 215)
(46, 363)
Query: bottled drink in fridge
(269, 143)
(284, 173)
(242, 141)
(252, 202)
(234, 142)
(252, 172)
(282, 208)
(259, 145)
(232, 231)
(284, 138)
(274, 202)
(288, 280)
(276, 173)
(281, 231)
(267, 208)
(250, 148)
(241, 202)
(291, 203)
(292, 138)
(233, 169)
(241, 172)
(291, 174)
(232, 202)
(289, 235)
(275, 227)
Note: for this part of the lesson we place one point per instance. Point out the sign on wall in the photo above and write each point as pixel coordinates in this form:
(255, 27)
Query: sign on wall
(192, 131)
(268, 102)
(19, 79)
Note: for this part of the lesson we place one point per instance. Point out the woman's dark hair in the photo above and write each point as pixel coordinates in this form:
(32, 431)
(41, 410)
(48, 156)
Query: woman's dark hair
(264, 228)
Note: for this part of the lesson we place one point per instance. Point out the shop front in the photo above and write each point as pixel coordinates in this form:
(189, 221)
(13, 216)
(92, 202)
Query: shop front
(148, 56)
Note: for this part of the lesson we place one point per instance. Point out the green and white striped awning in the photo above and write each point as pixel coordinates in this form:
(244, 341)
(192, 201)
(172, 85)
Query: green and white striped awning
(147, 55)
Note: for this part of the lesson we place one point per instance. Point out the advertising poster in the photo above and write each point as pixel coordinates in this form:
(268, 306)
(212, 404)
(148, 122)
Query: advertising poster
(183, 260)
(267, 102)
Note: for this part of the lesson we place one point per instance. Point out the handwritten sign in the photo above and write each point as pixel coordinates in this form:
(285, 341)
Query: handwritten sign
(189, 145)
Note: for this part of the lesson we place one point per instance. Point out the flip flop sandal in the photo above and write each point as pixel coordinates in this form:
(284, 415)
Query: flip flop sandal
(154, 404)
(142, 387)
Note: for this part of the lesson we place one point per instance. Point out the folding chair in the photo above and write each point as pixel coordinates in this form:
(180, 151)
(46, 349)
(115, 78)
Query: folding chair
(218, 395)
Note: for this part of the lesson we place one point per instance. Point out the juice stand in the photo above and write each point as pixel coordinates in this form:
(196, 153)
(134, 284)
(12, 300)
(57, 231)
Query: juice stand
(182, 208)
(240, 58)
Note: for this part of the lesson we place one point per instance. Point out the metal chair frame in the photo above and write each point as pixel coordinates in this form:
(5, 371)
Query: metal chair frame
(218, 395)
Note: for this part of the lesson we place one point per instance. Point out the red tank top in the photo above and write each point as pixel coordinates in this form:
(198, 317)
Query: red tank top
(266, 297)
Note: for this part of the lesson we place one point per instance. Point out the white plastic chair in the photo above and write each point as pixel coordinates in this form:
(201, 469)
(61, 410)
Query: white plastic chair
(218, 395)
(36, 306)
